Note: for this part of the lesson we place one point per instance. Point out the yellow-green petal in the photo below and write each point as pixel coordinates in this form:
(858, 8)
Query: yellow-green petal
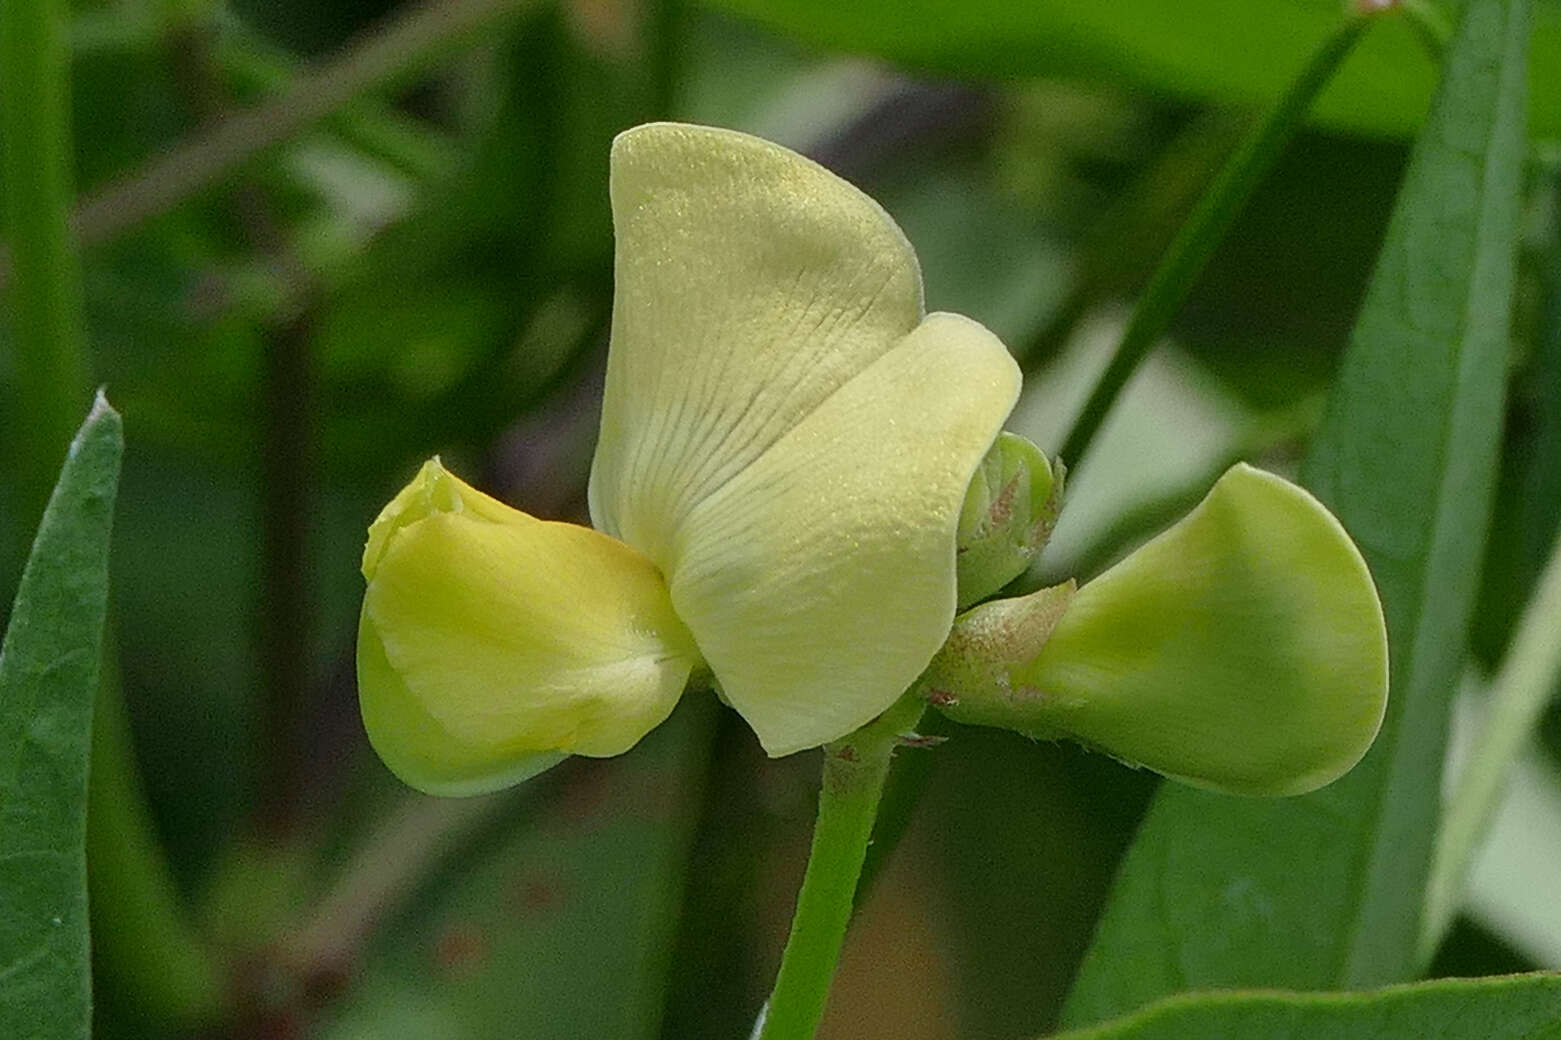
(820, 580)
(1243, 649)
(491, 642)
(751, 283)
(416, 747)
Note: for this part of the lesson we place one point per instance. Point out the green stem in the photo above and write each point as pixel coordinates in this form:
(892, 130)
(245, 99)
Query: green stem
(45, 295)
(1173, 280)
(896, 808)
(855, 768)
(1527, 680)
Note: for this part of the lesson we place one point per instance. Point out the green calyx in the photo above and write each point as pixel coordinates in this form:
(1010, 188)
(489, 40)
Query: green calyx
(971, 680)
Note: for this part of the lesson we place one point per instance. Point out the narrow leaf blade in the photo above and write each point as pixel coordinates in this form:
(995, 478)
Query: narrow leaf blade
(1518, 1007)
(48, 675)
(1325, 890)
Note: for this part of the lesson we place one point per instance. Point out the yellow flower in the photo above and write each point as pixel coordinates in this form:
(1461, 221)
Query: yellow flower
(787, 439)
(792, 476)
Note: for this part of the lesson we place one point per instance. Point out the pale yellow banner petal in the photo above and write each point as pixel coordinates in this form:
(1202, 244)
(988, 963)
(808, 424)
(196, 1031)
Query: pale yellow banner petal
(489, 636)
(820, 580)
(750, 284)
(1244, 649)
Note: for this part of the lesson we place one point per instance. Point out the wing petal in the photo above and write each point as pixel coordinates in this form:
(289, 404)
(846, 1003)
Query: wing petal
(491, 641)
(820, 580)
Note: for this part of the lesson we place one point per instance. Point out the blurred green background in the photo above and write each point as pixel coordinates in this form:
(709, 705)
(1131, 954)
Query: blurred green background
(292, 313)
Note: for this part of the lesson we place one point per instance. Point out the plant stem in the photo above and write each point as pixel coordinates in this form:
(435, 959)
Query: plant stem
(1178, 272)
(902, 792)
(46, 298)
(855, 768)
(1528, 678)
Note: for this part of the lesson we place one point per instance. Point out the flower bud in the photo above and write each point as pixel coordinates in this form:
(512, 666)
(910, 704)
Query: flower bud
(1008, 514)
(1242, 650)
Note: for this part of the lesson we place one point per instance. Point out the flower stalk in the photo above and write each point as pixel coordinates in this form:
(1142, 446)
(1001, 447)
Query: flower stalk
(855, 768)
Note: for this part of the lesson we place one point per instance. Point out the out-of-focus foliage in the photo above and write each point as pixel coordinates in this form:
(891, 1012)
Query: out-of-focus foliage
(573, 914)
(428, 269)
(1225, 50)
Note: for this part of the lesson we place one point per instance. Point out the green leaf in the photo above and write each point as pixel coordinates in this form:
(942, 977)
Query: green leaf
(1223, 50)
(48, 676)
(1325, 891)
(1515, 1007)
